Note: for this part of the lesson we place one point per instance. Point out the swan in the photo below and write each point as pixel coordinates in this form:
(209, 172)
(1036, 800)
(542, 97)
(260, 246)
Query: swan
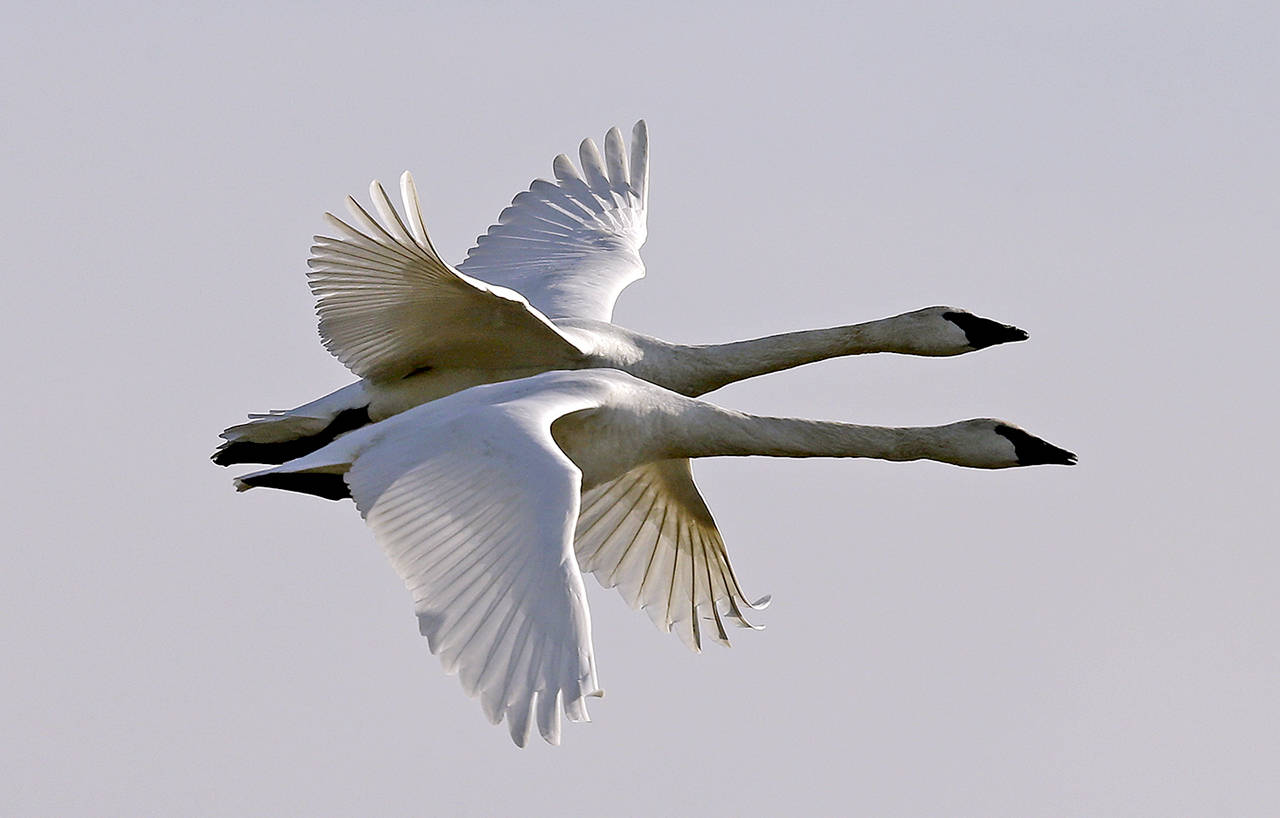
(536, 293)
(480, 500)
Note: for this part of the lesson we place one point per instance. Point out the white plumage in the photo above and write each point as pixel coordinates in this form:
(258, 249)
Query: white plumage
(475, 499)
(454, 509)
(572, 246)
(536, 293)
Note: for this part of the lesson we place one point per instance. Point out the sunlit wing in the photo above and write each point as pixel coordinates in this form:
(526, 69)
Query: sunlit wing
(572, 245)
(476, 514)
(389, 305)
(650, 534)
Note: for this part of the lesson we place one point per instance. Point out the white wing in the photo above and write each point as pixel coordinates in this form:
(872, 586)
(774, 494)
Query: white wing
(389, 305)
(650, 533)
(476, 513)
(572, 245)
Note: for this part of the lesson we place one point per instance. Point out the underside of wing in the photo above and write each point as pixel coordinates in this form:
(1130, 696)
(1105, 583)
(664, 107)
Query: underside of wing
(389, 305)
(650, 534)
(476, 514)
(572, 245)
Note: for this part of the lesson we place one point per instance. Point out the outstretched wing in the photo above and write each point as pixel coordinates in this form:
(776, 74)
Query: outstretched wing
(476, 514)
(650, 534)
(389, 305)
(572, 245)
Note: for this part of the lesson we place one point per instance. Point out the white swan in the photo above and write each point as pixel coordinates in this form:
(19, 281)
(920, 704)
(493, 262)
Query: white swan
(536, 293)
(476, 497)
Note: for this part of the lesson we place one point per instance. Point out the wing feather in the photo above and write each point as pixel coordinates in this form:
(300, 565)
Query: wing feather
(571, 246)
(476, 515)
(391, 219)
(650, 534)
(593, 168)
(388, 304)
(640, 162)
(615, 154)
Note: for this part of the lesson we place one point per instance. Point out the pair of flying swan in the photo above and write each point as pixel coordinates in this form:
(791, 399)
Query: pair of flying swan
(504, 436)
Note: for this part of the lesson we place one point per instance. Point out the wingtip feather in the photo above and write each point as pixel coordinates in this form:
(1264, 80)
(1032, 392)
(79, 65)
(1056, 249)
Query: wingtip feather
(615, 153)
(518, 722)
(593, 166)
(640, 161)
(413, 210)
(548, 714)
(562, 168)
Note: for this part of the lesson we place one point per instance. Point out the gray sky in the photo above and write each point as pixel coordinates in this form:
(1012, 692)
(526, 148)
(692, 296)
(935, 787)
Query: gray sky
(1093, 641)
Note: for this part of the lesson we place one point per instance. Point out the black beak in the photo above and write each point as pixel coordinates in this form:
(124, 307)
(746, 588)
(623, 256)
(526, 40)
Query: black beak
(1032, 451)
(983, 332)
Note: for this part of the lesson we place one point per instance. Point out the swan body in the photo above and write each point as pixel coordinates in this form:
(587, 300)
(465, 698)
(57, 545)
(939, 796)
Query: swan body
(504, 435)
(536, 293)
(489, 504)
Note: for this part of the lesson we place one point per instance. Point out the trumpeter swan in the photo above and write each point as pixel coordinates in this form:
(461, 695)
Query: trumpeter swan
(536, 293)
(480, 500)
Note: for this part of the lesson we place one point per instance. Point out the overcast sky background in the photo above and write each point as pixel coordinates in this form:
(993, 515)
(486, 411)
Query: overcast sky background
(1096, 641)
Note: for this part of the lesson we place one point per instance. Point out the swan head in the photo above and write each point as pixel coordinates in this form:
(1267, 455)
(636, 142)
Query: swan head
(987, 443)
(951, 331)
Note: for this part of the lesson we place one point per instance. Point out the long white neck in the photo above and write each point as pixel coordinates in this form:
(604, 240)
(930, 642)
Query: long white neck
(695, 370)
(710, 431)
(719, 364)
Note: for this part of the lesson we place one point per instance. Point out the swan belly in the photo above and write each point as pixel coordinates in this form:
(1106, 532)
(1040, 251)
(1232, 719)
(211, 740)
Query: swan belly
(393, 397)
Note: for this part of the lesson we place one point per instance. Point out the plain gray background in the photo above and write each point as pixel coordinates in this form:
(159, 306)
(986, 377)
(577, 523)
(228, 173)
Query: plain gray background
(1097, 641)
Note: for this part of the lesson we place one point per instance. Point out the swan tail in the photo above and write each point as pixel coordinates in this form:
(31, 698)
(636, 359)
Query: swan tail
(283, 435)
